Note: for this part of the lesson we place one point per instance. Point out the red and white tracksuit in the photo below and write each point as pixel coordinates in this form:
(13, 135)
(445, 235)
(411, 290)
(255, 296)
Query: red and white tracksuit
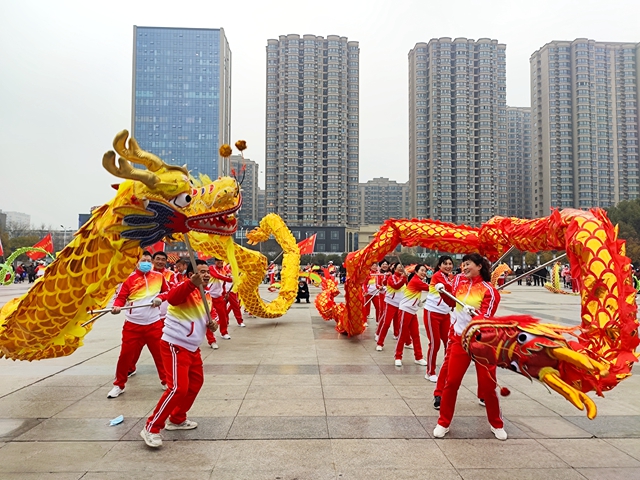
(437, 319)
(142, 326)
(414, 293)
(218, 291)
(271, 271)
(233, 302)
(374, 287)
(484, 298)
(184, 329)
(391, 314)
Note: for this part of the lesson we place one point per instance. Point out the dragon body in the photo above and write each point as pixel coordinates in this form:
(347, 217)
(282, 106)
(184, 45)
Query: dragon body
(593, 356)
(150, 205)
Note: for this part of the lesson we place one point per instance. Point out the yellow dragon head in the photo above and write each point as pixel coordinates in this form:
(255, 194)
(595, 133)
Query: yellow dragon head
(163, 196)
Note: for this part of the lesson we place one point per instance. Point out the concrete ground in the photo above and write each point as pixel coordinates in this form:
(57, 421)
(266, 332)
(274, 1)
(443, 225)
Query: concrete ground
(290, 398)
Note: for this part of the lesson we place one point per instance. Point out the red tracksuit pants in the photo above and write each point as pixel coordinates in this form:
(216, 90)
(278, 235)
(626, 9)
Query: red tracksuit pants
(458, 361)
(378, 303)
(234, 305)
(220, 306)
(409, 333)
(390, 314)
(134, 338)
(437, 326)
(185, 377)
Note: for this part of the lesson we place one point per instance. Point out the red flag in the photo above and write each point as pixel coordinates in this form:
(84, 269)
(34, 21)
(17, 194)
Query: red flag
(46, 244)
(307, 245)
(156, 247)
(1, 250)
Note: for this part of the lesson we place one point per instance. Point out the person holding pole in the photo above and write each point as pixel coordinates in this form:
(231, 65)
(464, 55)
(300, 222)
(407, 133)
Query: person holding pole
(185, 325)
(474, 290)
(411, 302)
(395, 284)
(142, 326)
(437, 314)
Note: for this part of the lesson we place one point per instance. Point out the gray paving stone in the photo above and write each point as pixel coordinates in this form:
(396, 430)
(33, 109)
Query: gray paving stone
(519, 474)
(287, 370)
(589, 453)
(209, 428)
(472, 427)
(376, 427)
(263, 428)
(77, 429)
(609, 426)
(11, 428)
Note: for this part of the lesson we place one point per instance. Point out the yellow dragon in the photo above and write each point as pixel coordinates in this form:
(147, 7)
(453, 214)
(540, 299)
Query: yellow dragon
(150, 205)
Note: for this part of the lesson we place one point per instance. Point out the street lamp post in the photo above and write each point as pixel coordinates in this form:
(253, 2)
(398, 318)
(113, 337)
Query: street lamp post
(64, 235)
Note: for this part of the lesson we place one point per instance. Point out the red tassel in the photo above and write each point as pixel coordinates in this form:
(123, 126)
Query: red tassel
(504, 392)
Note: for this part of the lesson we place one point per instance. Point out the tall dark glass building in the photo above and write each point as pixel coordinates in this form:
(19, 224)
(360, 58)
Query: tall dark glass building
(181, 105)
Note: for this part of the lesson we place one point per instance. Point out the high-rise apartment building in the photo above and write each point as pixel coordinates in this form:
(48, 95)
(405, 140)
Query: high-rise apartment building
(262, 205)
(312, 129)
(584, 107)
(382, 199)
(181, 105)
(457, 130)
(246, 171)
(519, 162)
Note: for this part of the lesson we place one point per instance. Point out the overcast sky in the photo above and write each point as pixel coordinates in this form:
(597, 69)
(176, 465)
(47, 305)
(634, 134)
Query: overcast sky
(65, 75)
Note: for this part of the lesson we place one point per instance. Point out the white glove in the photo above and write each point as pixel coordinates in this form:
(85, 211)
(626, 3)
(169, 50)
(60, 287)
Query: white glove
(156, 302)
(469, 310)
(439, 287)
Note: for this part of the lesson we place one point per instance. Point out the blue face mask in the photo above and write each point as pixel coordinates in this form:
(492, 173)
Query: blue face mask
(144, 267)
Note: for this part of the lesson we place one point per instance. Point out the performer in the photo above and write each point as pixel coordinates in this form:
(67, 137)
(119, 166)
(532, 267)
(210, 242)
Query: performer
(233, 302)
(474, 288)
(303, 291)
(181, 270)
(271, 272)
(412, 301)
(182, 334)
(381, 285)
(395, 282)
(370, 291)
(437, 314)
(142, 326)
(159, 261)
(219, 296)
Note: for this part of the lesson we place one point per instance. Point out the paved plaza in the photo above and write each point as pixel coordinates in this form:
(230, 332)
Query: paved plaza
(290, 398)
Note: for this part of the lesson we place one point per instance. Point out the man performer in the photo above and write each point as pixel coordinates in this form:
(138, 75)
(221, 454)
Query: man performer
(219, 296)
(142, 326)
(233, 300)
(182, 334)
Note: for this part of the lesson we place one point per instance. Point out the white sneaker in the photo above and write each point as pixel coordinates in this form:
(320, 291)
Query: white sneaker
(154, 440)
(431, 378)
(422, 362)
(499, 433)
(481, 402)
(116, 391)
(409, 346)
(163, 386)
(378, 348)
(394, 337)
(376, 338)
(226, 337)
(214, 345)
(132, 373)
(398, 363)
(440, 431)
(186, 425)
(366, 324)
(241, 324)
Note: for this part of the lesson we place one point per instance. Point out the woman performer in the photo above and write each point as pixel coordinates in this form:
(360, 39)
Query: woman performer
(381, 284)
(394, 294)
(473, 288)
(413, 300)
(437, 318)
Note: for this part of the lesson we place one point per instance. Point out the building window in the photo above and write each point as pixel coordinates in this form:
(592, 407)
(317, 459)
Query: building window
(320, 247)
(320, 236)
(335, 235)
(335, 247)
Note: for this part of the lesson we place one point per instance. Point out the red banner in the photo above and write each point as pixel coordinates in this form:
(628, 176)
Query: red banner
(307, 245)
(1, 250)
(156, 247)
(46, 244)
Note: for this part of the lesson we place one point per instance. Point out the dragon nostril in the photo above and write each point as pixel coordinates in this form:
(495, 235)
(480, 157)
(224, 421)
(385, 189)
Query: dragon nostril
(478, 336)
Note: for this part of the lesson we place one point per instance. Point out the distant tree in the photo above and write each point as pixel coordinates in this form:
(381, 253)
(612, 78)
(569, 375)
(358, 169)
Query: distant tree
(336, 259)
(531, 258)
(626, 215)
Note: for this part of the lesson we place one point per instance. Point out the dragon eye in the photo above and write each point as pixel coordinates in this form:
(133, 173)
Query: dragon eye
(515, 367)
(182, 200)
(524, 338)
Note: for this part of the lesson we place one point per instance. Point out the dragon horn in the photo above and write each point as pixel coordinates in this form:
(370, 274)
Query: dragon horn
(134, 153)
(125, 170)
